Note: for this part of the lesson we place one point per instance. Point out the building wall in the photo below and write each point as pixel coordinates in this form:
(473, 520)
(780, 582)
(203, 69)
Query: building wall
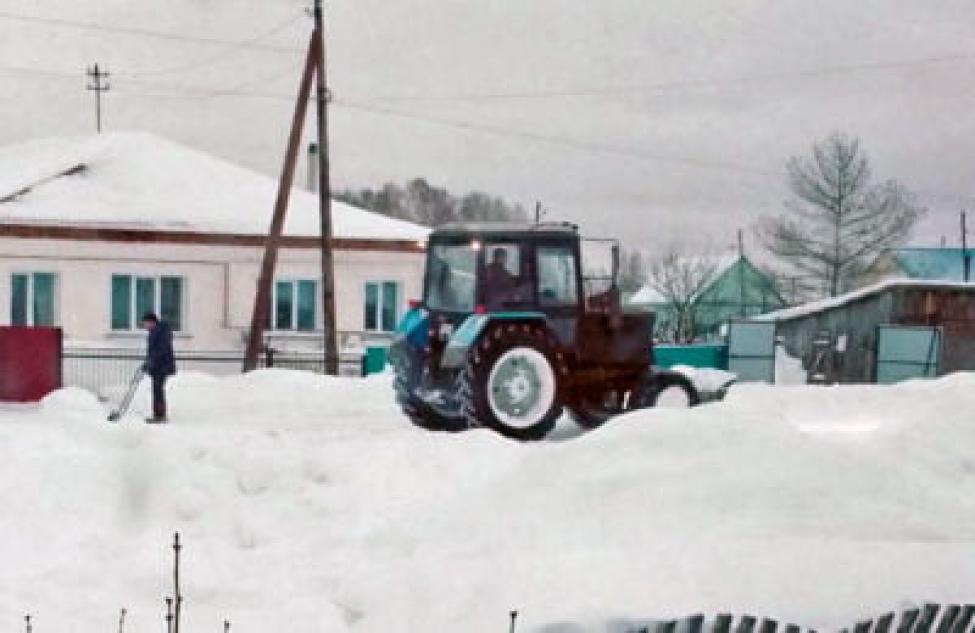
(220, 282)
(951, 309)
(857, 322)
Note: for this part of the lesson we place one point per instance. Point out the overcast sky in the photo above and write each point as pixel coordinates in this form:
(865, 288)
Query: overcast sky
(656, 120)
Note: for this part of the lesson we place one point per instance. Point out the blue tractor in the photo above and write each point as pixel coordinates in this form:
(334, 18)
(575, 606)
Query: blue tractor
(511, 332)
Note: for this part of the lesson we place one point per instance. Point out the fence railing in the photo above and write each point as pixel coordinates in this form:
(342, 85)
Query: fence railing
(97, 369)
(931, 618)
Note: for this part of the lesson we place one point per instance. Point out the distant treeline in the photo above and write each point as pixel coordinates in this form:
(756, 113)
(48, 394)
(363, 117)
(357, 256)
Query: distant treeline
(420, 202)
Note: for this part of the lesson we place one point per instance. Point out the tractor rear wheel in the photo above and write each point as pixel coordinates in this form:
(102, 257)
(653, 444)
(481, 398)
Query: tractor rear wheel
(408, 372)
(592, 412)
(512, 382)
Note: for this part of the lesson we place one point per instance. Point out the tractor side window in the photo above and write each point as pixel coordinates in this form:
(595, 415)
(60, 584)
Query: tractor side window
(556, 276)
(597, 268)
(451, 273)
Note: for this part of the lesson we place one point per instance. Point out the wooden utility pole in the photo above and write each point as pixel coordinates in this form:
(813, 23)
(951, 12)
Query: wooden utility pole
(966, 259)
(96, 76)
(330, 340)
(741, 273)
(262, 301)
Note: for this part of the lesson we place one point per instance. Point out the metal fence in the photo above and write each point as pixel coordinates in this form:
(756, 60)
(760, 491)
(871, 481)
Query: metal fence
(99, 369)
(930, 618)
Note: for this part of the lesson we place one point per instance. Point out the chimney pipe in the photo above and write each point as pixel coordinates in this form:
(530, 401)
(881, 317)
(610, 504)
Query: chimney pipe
(313, 167)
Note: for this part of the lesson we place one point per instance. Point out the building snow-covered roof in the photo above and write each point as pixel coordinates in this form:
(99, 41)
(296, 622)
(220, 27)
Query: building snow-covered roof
(647, 295)
(822, 305)
(136, 180)
(946, 264)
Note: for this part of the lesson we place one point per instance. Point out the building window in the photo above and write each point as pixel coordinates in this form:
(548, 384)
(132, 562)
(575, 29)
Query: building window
(381, 306)
(133, 296)
(293, 306)
(32, 300)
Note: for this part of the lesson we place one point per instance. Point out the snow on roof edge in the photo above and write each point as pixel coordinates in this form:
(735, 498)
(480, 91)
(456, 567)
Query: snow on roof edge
(129, 183)
(813, 307)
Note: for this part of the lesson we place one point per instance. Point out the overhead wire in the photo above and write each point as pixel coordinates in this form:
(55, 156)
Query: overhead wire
(191, 93)
(141, 32)
(231, 52)
(668, 86)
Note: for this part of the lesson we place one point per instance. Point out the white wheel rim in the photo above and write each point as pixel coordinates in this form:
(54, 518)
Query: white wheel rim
(521, 387)
(673, 397)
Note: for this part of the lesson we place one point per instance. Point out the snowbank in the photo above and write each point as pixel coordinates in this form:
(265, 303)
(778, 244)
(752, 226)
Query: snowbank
(310, 504)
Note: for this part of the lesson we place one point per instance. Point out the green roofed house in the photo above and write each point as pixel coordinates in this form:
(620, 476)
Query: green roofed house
(935, 264)
(738, 289)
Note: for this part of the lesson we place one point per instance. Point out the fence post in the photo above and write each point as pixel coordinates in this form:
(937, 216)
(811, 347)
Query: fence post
(268, 356)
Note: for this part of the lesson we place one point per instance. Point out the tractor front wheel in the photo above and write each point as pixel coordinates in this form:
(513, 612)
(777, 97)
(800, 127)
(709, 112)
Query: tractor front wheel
(408, 370)
(511, 382)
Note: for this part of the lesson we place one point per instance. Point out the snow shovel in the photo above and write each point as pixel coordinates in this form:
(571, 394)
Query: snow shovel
(123, 406)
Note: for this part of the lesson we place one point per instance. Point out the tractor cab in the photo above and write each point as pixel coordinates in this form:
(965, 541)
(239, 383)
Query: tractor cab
(491, 268)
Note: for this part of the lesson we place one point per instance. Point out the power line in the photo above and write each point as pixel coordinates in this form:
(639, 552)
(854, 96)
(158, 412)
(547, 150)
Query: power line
(123, 30)
(583, 145)
(219, 57)
(41, 72)
(558, 140)
(668, 86)
(194, 93)
(163, 89)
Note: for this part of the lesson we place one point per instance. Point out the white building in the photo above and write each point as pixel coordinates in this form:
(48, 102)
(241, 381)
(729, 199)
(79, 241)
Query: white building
(96, 231)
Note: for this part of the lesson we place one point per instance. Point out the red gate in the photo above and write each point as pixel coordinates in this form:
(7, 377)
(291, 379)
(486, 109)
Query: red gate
(30, 362)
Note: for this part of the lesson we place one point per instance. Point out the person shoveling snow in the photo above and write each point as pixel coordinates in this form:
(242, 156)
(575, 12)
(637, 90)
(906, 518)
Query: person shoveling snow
(159, 365)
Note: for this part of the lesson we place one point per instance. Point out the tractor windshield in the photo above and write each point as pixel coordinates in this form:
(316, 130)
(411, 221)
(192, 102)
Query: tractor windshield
(451, 275)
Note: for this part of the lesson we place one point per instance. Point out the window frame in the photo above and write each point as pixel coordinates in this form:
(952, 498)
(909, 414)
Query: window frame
(31, 317)
(295, 282)
(134, 324)
(572, 255)
(380, 305)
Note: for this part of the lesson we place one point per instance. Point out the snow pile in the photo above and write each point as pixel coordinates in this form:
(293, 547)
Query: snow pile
(310, 504)
(788, 369)
(706, 380)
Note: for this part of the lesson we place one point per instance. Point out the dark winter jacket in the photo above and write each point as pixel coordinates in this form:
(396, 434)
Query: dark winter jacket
(159, 351)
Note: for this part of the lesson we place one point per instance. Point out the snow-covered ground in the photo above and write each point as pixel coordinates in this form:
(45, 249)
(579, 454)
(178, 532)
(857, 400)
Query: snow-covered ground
(309, 504)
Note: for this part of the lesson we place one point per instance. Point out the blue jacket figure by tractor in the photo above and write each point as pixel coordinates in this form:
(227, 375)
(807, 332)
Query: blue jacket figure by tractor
(159, 364)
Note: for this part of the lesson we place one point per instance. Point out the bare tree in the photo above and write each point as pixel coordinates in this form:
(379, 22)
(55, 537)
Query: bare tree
(419, 201)
(633, 270)
(837, 221)
(678, 280)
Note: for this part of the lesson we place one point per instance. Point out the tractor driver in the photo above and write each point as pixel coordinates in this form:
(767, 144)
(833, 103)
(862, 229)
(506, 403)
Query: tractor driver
(499, 283)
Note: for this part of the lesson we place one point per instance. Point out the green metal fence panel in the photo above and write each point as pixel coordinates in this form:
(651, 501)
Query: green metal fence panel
(905, 352)
(375, 360)
(703, 356)
(751, 350)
